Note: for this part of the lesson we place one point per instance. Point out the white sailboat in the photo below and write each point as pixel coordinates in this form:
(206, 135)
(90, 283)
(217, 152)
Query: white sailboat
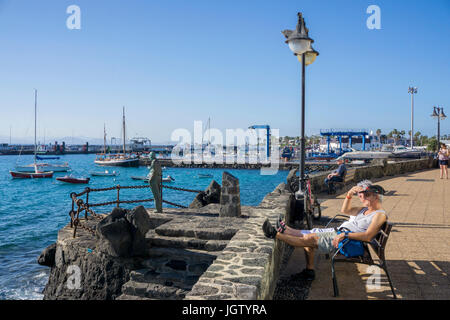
(121, 159)
(41, 166)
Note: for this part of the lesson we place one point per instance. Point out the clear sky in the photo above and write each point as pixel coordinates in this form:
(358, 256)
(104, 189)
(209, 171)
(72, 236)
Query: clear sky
(172, 62)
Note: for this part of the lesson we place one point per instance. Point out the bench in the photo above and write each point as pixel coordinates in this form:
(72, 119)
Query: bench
(349, 176)
(378, 244)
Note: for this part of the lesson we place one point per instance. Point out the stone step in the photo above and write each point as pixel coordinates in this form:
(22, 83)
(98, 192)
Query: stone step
(179, 261)
(153, 291)
(193, 231)
(148, 284)
(179, 280)
(155, 240)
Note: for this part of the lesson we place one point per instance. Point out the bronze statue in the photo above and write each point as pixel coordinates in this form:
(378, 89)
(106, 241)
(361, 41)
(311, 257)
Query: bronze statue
(155, 179)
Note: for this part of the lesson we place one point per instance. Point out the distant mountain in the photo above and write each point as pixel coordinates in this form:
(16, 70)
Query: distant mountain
(68, 141)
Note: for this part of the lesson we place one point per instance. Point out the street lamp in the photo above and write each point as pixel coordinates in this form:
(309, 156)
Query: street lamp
(412, 90)
(300, 44)
(438, 113)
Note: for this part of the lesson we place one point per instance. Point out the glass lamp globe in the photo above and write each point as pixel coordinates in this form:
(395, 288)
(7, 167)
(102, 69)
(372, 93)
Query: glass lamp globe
(299, 46)
(310, 57)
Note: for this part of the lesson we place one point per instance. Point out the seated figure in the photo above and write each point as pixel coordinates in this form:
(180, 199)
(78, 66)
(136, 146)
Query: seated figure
(367, 220)
(337, 175)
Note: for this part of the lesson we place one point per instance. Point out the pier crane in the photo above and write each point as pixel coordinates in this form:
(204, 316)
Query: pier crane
(267, 127)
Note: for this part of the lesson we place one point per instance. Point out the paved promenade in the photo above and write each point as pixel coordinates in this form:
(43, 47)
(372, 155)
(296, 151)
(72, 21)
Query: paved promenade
(418, 250)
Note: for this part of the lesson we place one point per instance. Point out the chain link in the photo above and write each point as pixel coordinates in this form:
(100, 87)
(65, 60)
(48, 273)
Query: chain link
(74, 215)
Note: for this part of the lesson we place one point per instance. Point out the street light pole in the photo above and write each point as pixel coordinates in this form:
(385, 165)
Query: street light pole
(300, 44)
(301, 185)
(438, 112)
(412, 90)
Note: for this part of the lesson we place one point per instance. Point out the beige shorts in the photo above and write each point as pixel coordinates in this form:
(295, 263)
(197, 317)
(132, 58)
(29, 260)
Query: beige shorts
(325, 241)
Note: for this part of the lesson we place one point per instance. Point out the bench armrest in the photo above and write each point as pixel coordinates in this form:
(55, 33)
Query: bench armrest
(338, 215)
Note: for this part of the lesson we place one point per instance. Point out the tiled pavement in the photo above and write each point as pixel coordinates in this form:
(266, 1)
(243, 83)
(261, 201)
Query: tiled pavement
(418, 250)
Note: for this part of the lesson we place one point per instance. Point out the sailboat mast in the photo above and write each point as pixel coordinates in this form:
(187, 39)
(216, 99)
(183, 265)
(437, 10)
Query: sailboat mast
(124, 130)
(104, 138)
(35, 116)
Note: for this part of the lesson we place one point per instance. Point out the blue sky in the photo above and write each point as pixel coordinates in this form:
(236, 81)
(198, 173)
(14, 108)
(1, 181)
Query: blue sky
(172, 62)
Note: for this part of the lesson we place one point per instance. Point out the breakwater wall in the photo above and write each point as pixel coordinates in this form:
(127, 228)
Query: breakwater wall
(378, 169)
(309, 166)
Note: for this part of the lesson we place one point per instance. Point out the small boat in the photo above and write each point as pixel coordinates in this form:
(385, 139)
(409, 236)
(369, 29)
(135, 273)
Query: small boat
(168, 179)
(205, 175)
(31, 175)
(41, 167)
(145, 178)
(120, 160)
(70, 179)
(105, 173)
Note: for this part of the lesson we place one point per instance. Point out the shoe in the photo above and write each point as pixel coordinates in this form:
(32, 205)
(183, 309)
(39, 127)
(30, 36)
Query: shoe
(269, 230)
(281, 226)
(306, 274)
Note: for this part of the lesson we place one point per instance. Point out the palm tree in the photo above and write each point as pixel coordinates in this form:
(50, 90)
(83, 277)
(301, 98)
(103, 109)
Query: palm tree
(417, 136)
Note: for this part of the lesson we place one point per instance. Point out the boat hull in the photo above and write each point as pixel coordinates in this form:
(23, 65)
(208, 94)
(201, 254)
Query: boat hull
(43, 167)
(73, 180)
(118, 163)
(103, 174)
(31, 175)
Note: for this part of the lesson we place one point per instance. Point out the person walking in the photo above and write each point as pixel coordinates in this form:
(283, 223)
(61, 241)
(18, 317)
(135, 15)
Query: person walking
(443, 160)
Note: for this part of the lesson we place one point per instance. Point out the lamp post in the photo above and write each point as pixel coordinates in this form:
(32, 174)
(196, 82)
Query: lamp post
(438, 113)
(412, 91)
(300, 44)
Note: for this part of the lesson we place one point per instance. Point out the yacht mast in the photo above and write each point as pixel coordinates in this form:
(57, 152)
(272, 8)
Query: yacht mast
(35, 115)
(123, 130)
(104, 138)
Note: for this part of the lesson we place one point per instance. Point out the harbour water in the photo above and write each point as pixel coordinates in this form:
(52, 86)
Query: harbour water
(33, 210)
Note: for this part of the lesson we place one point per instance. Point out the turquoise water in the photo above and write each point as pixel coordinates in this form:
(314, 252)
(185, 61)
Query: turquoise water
(33, 210)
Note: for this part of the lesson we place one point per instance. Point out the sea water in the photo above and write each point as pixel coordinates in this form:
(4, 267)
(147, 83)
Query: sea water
(33, 210)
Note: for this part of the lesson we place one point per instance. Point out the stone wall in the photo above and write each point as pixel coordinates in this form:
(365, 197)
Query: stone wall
(248, 268)
(375, 171)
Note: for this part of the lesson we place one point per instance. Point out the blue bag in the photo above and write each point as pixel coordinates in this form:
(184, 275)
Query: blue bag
(351, 248)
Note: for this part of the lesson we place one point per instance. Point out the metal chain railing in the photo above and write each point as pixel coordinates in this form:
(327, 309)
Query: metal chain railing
(85, 206)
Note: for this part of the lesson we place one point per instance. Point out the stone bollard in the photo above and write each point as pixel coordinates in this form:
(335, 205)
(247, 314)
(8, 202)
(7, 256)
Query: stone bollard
(230, 198)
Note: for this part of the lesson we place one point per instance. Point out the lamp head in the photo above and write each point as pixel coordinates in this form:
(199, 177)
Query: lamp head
(298, 40)
(412, 90)
(442, 115)
(434, 114)
(310, 56)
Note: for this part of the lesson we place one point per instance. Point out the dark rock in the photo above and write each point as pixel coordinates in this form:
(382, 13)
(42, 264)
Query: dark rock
(115, 234)
(122, 233)
(210, 195)
(47, 257)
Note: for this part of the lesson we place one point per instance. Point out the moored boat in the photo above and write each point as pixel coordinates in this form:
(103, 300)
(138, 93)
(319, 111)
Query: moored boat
(105, 173)
(117, 161)
(70, 179)
(145, 178)
(57, 167)
(31, 175)
(120, 160)
(47, 167)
